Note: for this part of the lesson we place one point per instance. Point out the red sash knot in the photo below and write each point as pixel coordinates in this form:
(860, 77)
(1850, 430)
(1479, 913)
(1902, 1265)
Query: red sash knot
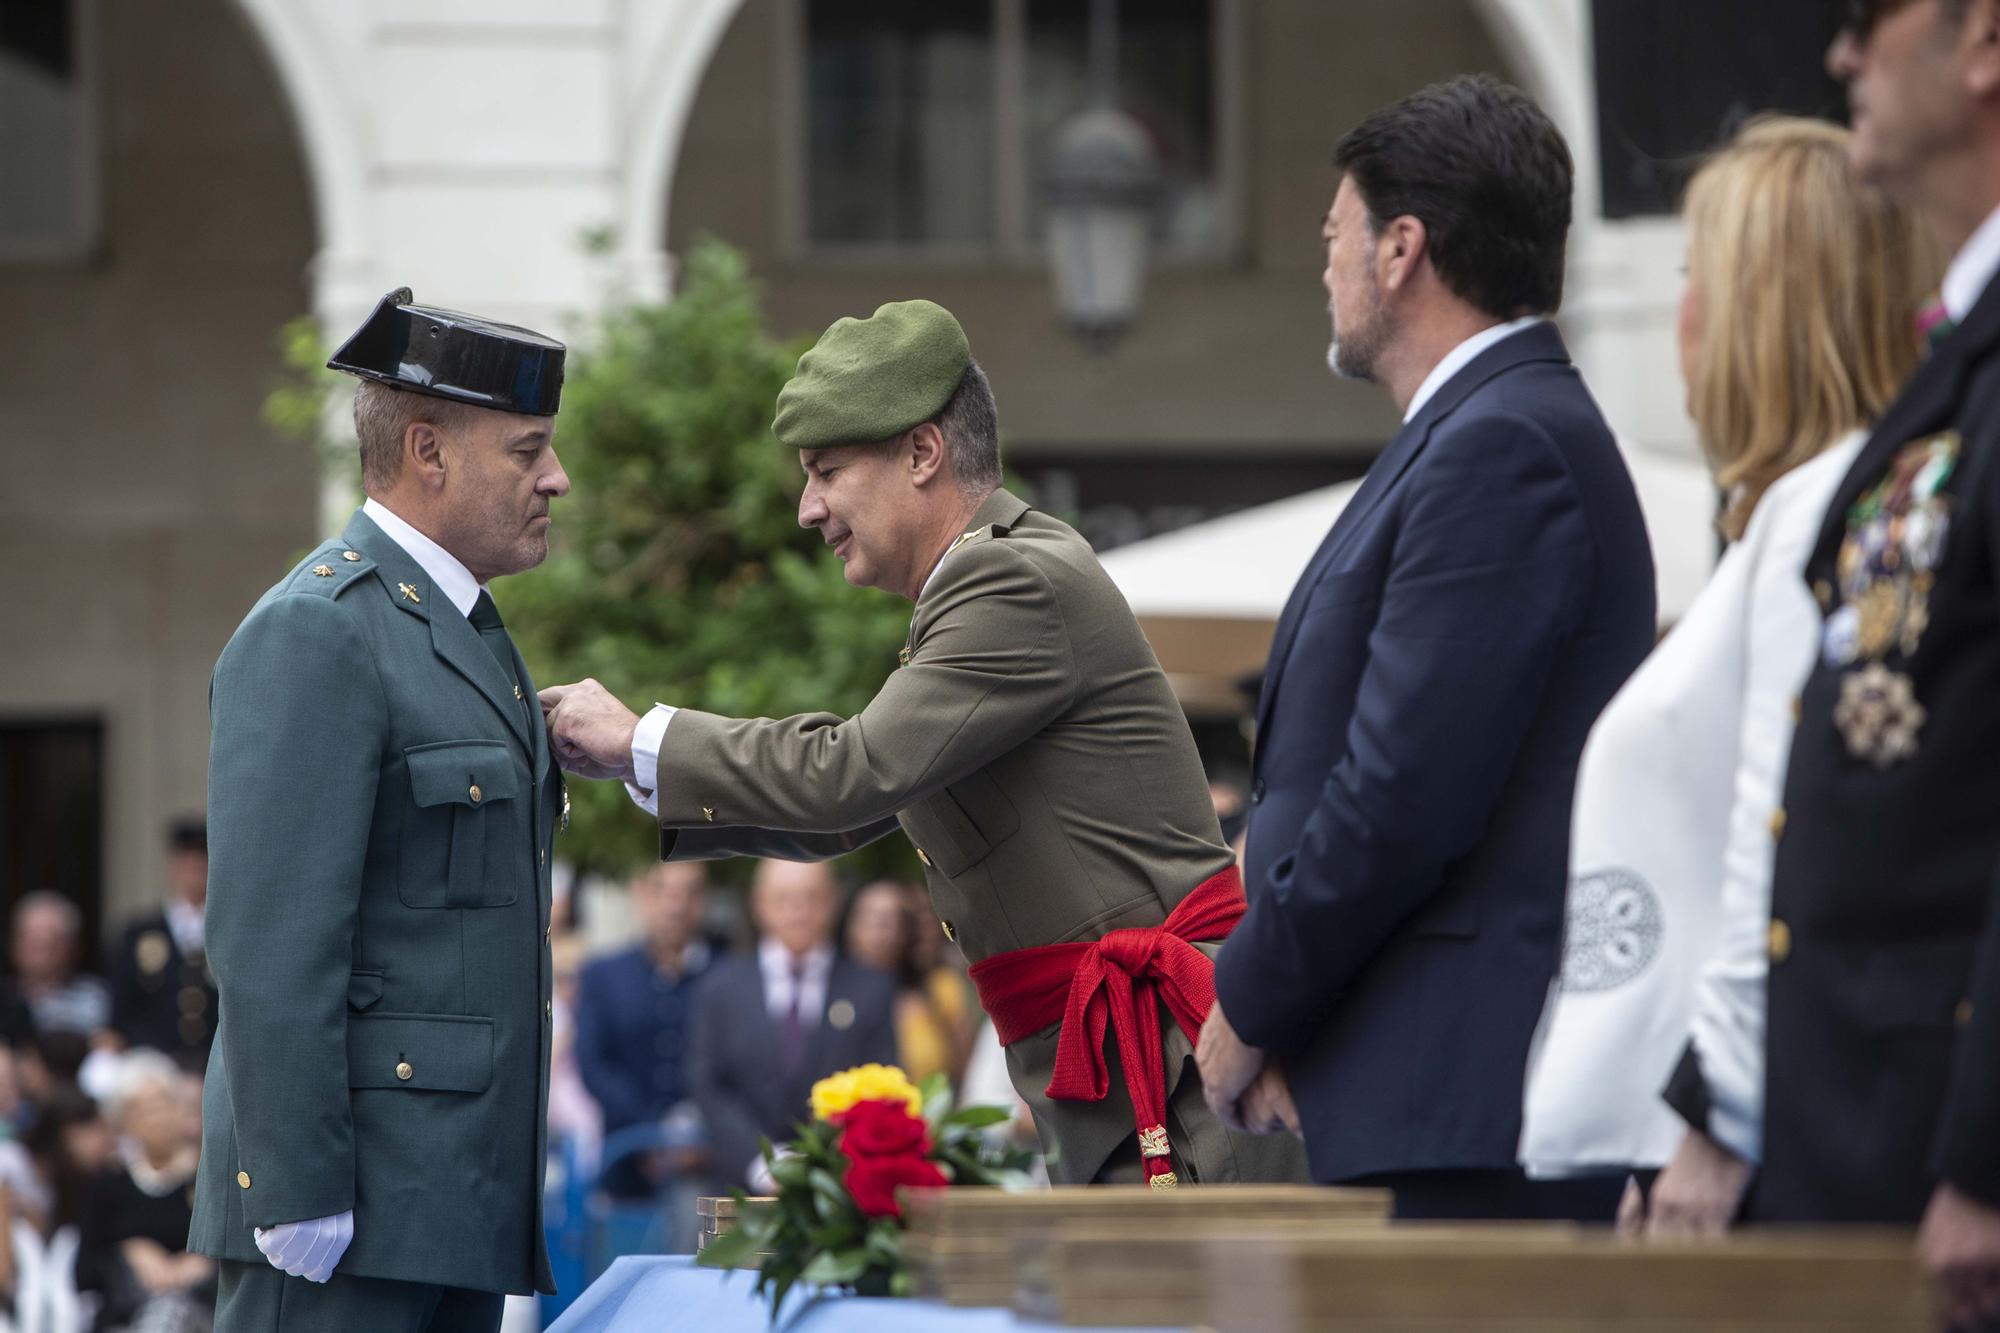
(1121, 979)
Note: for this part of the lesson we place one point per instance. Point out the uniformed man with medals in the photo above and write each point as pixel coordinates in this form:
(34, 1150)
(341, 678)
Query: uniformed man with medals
(1028, 743)
(162, 993)
(381, 807)
(1883, 1065)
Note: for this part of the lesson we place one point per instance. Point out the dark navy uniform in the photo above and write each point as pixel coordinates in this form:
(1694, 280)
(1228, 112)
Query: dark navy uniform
(1883, 1076)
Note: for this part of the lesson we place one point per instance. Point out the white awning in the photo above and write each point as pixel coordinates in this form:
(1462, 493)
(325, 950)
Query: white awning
(1209, 595)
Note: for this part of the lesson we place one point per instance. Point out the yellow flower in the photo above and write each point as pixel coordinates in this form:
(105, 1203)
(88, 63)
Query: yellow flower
(866, 1083)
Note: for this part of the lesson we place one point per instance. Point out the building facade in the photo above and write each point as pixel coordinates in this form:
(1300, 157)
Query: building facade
(203, 170)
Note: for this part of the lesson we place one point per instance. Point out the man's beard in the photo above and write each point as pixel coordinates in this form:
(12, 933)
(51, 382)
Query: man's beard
(1354, 356)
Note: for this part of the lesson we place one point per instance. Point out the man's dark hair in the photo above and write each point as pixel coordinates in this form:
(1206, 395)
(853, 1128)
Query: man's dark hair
(970, 424)
(1487, 173)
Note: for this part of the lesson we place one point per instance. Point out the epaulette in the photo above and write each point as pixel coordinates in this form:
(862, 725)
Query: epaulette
(329, 570)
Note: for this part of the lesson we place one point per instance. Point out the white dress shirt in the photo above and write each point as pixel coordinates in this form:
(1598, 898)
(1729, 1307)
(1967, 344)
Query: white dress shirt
(188, 925)
(776, 963)
(448, 575)
(1670, 860)
(1459, 357)
(1972, 268)
(651, 733)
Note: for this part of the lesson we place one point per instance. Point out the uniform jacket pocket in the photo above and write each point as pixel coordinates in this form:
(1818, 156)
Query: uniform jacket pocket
(454, 853)
(964, 823)
(420, 1052)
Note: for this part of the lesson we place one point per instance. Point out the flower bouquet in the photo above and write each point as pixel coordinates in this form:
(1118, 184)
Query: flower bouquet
(835, 1220)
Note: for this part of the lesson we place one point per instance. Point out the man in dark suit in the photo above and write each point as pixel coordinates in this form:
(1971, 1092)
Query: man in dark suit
(1433, 678)
(767, 1027)
(162, 994)
(1882, 1100)
(634, 1013)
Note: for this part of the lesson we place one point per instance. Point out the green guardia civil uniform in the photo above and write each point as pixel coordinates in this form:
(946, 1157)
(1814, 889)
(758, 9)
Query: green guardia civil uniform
(381, 806)
(1029, 745)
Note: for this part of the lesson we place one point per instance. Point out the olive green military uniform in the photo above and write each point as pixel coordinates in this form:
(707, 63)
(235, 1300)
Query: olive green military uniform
(1032, 750)
(381, 805)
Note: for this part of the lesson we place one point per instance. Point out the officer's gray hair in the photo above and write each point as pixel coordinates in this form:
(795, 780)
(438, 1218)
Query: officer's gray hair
(970, 424)
(383, 415)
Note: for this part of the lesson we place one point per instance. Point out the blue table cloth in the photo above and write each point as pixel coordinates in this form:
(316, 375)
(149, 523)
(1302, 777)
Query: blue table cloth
(650, 1293)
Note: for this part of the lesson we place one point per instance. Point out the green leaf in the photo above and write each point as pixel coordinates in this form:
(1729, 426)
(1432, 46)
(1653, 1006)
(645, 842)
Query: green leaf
(790, 1172)
(885, 1243)
(936, 1093)
(979, 1117)
(735, 1249)
(836, 1268)
(829, 1189)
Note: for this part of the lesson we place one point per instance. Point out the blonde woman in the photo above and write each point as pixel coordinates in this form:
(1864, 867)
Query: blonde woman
(1797, 327)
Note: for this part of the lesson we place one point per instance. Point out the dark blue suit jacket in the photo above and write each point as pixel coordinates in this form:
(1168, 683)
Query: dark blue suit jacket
(1428, 693)
(633, 1023)
(735, 1076)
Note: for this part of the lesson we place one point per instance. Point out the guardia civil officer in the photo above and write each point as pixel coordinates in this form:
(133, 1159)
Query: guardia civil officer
(381, 804)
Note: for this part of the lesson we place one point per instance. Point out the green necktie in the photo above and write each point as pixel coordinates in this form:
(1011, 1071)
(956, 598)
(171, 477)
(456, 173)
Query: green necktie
(485, 618)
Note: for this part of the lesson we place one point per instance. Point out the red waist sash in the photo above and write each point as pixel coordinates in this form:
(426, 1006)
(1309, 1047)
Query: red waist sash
(1121, 977)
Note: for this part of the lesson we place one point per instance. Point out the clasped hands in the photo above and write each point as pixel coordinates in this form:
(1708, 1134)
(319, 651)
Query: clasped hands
(1245, 1088)
(590, 731)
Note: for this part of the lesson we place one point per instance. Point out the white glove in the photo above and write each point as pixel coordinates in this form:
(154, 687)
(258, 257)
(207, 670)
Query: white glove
(308, 1249)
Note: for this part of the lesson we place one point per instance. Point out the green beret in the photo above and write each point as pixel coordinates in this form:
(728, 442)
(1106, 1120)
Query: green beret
(872, 379)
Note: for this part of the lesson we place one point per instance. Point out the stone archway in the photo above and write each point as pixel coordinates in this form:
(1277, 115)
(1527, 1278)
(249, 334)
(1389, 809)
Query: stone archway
(1547, 42)
(666, 80)
(315, 69)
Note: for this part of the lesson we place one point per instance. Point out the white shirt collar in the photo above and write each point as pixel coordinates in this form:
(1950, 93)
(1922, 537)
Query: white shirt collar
(1460, 356)
(188, 925)
(776, 960)
(1972, 268)
(448, 576)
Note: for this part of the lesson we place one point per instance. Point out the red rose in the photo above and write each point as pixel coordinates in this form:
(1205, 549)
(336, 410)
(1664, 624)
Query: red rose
(873, 1182)
(882, 1129)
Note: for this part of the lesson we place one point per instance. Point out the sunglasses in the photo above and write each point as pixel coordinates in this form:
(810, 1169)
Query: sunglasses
(1859, 17)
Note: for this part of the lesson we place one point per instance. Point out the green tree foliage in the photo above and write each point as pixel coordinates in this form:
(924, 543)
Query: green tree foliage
(678, 571)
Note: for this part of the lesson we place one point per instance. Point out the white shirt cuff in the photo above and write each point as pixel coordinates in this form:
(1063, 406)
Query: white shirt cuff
(647, 738)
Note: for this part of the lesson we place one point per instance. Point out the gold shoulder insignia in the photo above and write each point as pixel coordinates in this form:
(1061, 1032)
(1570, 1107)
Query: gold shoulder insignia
(409, 592)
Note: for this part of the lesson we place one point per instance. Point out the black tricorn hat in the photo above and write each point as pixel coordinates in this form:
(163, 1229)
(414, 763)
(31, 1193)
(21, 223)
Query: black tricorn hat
(451, 355)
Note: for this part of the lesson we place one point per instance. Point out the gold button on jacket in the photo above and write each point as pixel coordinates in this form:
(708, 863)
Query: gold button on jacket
(404, 1072)
(1781, 941)
(243, 1179)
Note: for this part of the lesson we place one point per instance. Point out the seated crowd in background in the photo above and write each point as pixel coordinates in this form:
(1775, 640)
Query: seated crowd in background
(100, 1113)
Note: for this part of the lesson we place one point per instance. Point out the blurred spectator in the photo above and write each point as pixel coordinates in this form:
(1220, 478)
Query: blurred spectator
(134, 1219)
(768, 1026)
(47, 928)
(884, 928)
(67, 1146)
(1232, 812)
(573, 1113)
(634, 1011)
(987, 1083)
(162, 995)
